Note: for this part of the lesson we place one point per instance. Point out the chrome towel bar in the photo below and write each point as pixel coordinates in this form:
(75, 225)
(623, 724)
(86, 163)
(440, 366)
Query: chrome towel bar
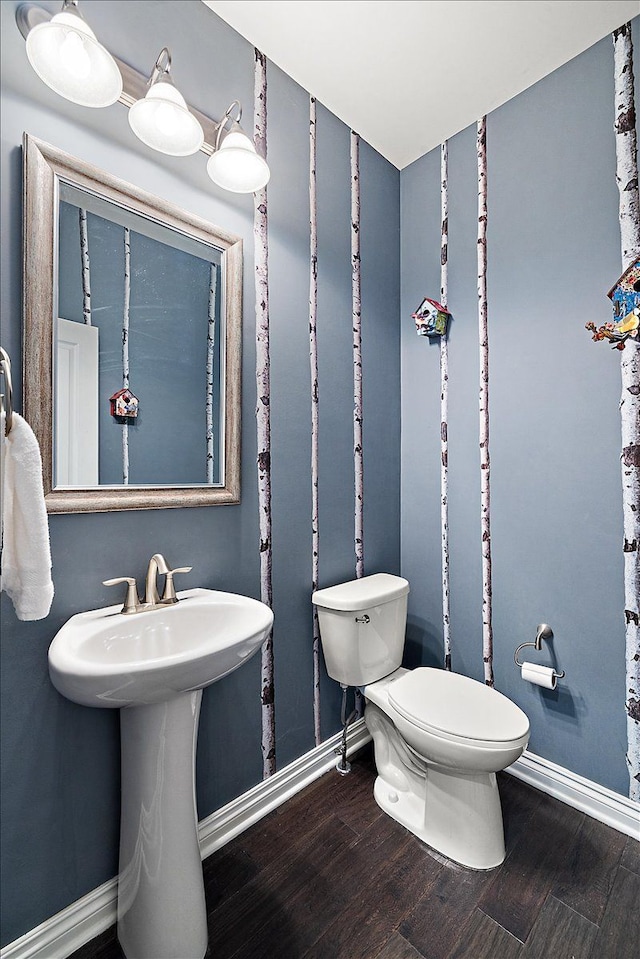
(5, 370)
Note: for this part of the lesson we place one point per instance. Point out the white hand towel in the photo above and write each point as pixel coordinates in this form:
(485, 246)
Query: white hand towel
(26, 554)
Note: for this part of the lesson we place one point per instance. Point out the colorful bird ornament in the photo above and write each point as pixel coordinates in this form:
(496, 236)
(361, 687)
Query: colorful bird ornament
(625, 296)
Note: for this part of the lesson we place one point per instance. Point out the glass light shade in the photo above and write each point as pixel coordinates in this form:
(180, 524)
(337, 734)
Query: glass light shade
(235, 166)
(66, 55)
(163, 121)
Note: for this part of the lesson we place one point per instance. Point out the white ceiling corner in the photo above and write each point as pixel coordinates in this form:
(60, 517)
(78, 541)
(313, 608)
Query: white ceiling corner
(408, 74)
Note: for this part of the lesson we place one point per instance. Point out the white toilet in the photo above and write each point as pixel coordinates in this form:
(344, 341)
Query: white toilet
(439, 737)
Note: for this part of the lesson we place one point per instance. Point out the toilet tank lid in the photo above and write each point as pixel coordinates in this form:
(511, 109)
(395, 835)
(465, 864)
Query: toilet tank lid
(362, 593)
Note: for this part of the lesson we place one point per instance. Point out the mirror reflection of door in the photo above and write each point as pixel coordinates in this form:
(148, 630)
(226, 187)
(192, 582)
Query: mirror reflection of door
(149, 300)
(76, 425)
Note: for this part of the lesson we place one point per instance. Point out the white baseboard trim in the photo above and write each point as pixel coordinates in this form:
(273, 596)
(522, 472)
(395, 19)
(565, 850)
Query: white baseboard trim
(83, 920)
(596, 801)
(62, 934)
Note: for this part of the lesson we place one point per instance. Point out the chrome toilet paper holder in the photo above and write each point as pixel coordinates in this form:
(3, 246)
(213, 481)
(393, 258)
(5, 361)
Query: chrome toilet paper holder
(543, 631)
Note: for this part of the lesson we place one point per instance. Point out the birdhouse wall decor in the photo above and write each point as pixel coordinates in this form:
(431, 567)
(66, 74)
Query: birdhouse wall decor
(625, 296)
(124, 404)
(431, 318)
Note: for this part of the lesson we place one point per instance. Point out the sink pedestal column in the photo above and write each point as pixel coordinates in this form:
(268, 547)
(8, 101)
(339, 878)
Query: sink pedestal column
(161, 905)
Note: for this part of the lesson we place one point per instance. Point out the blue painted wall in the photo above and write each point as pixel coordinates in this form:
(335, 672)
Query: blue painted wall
(553, 253)
(60, 762)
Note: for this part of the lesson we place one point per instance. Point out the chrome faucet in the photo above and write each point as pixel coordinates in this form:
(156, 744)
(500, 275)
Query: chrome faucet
(157, 564)
(152, 600)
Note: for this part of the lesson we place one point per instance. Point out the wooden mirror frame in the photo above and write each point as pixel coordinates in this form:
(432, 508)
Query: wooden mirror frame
(44, 166)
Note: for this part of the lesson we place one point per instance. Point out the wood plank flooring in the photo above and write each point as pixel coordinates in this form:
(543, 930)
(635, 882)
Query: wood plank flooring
(329, 876)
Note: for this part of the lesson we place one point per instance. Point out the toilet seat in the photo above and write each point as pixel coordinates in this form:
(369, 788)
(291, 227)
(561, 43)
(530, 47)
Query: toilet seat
(457, 708)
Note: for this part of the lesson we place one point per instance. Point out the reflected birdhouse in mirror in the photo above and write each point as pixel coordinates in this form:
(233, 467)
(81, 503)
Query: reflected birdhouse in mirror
(431, 318)
(124, 404)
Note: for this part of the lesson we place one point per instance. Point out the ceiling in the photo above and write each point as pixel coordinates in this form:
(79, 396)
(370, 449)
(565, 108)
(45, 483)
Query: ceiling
(408, 74)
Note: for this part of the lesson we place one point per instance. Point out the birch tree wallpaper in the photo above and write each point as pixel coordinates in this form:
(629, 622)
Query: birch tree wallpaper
(444, 409)
(629, 207)
(484, 466)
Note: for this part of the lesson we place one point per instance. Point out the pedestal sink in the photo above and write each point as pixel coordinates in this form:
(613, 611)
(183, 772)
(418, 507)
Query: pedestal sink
(153, 666)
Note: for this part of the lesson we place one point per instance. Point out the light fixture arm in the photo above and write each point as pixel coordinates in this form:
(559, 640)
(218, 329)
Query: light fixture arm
(230, 119)
(162, 69)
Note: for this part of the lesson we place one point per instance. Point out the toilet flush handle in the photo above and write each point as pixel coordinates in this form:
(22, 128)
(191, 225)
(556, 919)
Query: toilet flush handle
(363, 619)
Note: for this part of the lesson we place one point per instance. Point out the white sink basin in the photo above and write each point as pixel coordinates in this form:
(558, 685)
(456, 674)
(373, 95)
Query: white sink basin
(103, 658)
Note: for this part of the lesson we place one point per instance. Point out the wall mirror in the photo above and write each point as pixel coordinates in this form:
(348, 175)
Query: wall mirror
(132, 341)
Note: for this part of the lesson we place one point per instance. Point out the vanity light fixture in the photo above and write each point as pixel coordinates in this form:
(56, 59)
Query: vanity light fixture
(65, 53)
(234, 164)
(67, 56)
(162, 119)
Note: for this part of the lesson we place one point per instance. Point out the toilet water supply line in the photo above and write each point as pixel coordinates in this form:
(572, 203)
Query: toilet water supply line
(342, 765)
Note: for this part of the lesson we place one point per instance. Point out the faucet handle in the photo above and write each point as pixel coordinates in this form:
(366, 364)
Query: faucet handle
(169, 594)
(131, 601)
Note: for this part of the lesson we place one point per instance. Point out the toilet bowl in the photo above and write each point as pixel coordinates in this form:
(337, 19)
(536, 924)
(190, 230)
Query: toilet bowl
(439, 737)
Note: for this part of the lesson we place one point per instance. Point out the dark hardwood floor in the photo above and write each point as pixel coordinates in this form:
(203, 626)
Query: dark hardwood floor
(329, 876)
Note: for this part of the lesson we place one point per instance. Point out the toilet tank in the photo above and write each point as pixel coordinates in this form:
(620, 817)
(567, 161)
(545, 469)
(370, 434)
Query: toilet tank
(362, 627)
